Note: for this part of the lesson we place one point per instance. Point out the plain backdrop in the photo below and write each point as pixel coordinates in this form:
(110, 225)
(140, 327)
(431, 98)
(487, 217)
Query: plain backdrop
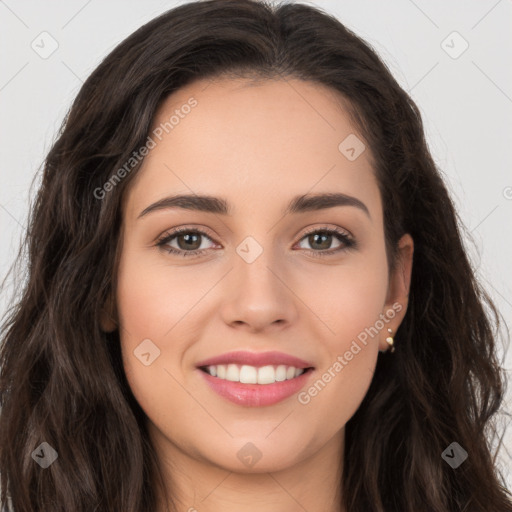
(452, 57)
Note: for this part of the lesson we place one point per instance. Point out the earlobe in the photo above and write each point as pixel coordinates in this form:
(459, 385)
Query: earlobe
(390, 342)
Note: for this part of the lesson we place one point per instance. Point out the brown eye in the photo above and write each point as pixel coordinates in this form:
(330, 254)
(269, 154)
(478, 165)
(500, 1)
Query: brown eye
(320, 242)
(188, 242)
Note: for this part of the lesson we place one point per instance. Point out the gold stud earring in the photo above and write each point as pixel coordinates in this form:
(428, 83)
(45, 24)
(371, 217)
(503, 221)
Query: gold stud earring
(390, 341)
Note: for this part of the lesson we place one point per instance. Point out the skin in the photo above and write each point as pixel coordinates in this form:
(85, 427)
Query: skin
(257, 145)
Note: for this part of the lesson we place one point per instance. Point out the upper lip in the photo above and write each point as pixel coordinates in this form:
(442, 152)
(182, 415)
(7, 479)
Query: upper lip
(257, 359)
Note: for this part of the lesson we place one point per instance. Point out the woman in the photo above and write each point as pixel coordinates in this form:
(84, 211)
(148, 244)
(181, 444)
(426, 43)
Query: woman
(183, 343)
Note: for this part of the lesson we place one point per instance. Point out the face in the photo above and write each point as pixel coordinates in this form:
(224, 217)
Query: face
(258, 286)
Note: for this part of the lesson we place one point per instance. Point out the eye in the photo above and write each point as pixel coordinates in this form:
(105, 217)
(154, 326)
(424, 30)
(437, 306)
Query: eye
(187, 239)
(321, 240)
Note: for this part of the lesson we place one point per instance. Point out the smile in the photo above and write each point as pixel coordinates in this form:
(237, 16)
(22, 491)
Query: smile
(255, 379)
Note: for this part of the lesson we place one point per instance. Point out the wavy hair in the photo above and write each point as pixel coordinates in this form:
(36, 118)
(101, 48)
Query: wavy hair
(62, 379)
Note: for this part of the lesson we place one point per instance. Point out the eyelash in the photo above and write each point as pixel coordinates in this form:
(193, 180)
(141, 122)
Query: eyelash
(348, 241)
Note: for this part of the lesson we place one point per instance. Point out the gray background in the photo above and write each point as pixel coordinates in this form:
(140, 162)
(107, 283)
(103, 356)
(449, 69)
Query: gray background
(465, 100)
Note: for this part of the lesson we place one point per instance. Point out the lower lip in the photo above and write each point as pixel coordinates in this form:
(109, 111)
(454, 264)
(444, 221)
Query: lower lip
(256, 395)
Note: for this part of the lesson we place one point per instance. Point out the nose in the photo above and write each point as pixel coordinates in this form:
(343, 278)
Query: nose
(259, 294)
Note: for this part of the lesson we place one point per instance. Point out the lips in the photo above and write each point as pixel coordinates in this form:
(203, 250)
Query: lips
(255, 379)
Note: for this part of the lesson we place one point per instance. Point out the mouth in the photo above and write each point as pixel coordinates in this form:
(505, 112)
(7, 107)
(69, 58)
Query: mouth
(255, 379)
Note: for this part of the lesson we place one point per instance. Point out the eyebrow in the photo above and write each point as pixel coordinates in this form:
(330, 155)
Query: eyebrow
(218, 205)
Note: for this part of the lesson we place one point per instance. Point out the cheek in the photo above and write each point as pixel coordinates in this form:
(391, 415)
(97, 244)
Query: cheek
(343, 379)
(350, 303)
(156, 303)
(153, 298)
(348, 299)
(337, 392)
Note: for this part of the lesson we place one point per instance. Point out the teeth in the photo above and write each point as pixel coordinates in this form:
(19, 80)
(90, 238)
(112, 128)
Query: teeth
(281, 373)
(248, 375)
(252, 375)
(221, 371)
(266, 375)
(232, 373)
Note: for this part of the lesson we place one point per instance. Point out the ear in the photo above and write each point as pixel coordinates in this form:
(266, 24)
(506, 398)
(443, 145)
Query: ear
(108, 316)
(398, 290)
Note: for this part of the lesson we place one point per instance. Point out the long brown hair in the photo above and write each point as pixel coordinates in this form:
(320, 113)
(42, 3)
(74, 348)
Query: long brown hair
(62, 380)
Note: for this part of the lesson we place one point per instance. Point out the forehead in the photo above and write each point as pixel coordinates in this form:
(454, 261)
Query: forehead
(246, 139)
